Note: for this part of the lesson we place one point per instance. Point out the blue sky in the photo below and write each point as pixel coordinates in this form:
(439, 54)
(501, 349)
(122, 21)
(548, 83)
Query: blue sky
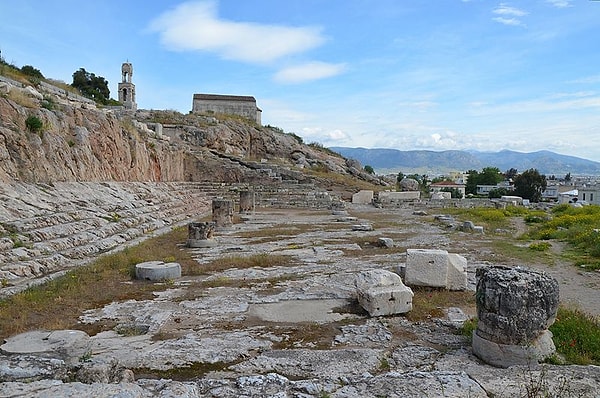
(406, 74)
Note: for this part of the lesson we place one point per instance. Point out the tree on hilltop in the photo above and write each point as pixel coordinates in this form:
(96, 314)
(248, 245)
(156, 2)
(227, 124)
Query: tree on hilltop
(91, 86)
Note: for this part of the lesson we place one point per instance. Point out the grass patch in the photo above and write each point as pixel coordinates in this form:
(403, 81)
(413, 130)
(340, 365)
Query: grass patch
(523, 253)
(580, 227)
(59, 303)
(431, 302)
(184, 373)
(577, 336)
(490, 218)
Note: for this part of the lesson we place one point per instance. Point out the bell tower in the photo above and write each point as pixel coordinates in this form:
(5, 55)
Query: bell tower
(127, 88)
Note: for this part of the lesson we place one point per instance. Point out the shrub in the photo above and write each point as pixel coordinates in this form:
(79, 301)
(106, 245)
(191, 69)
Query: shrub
(540, 246)
(34, 124)
(577, 336)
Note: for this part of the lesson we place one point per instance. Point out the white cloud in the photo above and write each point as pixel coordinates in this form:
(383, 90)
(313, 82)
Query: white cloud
(508, 21)
(505, 9)
(195, 26)
(509, 15)
(560, 3)
(328, 137)
(308, 72)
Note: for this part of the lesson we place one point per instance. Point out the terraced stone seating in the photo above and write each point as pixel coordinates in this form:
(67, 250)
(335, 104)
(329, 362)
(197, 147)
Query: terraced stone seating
(47, 229)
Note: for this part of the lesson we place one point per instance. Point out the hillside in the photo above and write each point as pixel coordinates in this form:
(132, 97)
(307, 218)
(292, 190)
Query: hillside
(433, 163)
(48, 134)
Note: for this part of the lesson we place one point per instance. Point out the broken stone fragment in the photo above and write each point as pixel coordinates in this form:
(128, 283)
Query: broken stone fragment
(200, 234)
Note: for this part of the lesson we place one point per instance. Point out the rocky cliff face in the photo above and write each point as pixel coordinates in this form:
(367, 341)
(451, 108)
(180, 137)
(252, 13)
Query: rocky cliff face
(79, 142)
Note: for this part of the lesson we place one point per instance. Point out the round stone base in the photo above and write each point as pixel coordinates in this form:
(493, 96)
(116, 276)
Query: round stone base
(201, 243)
(157, 271)
(506, 355)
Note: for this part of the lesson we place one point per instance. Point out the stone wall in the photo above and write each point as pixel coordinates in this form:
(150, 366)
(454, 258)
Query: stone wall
(244, 106)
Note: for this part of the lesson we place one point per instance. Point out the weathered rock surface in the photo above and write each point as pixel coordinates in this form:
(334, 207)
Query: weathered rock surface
(292, 329)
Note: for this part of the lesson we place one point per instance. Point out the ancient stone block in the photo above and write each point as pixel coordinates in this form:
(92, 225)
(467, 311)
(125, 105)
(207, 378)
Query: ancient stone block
(362, 197)
(222, 212)
(382, 292)
(247, 201)
(200, 234)
(425, 267)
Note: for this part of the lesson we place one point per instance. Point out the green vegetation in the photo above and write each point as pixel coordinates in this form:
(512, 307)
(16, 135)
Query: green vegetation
(91, 86)
(580, 227)
(369, 169)
(491, 218)
(487, 176)
(529, 185)
(540, 246)
(576, 336)
(34, 124)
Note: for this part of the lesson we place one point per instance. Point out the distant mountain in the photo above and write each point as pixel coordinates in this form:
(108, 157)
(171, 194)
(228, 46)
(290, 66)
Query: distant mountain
(385, 161)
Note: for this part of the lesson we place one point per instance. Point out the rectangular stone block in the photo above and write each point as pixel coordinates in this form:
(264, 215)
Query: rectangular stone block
(362, 197)
(457, 272)
(397, 196)
(426, 267)
(386, 300)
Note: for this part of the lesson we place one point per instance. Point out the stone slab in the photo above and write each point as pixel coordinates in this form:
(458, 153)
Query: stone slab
(362, 197)
(426, 267)
(386, 300)
(67, 345)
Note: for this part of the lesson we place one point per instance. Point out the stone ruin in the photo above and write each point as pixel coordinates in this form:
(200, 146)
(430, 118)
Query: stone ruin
(222, 213)
(515, 307)
(247, 202)
(382, 292)
(200, 235)
(157, 271)
(435, 268)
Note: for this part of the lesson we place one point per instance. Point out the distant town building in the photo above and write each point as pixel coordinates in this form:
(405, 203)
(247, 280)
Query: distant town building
(239, 105)
(127, 88)
(445, 185)
(589, 194)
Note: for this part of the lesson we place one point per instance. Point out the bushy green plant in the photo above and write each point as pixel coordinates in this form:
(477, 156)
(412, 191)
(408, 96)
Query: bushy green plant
(540, 246)
(34, 124)
(577, 336)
